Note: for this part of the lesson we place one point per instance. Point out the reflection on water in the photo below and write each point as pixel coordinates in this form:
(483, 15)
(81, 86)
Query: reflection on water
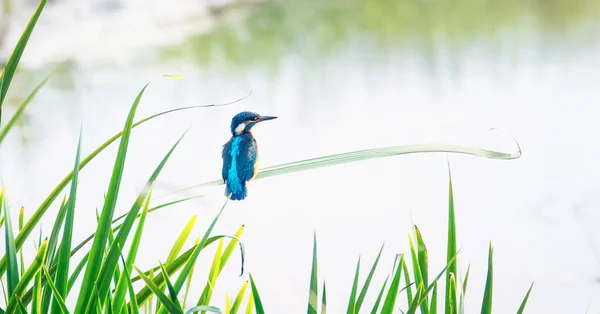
(345, 76)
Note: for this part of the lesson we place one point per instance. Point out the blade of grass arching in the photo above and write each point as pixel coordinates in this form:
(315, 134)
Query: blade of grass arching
(112, 258)
(407, 281)
(250, 306)
(352, 302)
(21, 217)
(433, 305)
(28, 276)
(13, 120)
(324, 300)
(204, 308)
(11, 66)
(355, 156)
(231, 247)
(12, 277)
(181, 240)
(461, 305)
(164, 300)
(212, 276)
(390, 299)
(238, 299)
(379, 296)
(313, 293)
(451, 249)
(522, 307)
(486, 306)
(418, 273)
(96, 253)
(257, 302)
(64, 258)
(39, 213)
(188, 283)
(143, 295)
(365, 287)
(122, 284)
(61, 302)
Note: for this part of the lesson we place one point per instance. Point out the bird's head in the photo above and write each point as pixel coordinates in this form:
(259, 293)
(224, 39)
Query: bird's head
(244, 121)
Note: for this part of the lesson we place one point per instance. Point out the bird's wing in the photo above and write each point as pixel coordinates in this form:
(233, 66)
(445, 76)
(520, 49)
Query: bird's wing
(247, 158)
(226, 160)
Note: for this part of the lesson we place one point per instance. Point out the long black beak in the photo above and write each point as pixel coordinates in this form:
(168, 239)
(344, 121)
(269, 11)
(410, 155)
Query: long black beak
(265, 118)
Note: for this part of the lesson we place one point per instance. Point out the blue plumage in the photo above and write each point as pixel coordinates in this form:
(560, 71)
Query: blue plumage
(240, 154)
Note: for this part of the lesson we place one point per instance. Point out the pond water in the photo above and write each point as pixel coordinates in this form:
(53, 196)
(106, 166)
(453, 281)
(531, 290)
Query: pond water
(340, 77)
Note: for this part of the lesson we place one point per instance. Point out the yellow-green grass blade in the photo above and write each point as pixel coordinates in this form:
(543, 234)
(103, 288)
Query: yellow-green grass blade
(522, 307)
(164, 300)
(212, 276)
(95, 258)
(21, 218)
(324, 300)
(408, 283)
(188, 283)
(433, 305)
(64, 258)
(15, 57)
(379, 296)
(144, 294)
(231, 247)
(452, 284)
(36, 306)
(390, 299)
(227, 303)
(13, 120)
(12, 277)
(124, 280)
(181, 240)
(461, 305)
(313, 293)
(486, 305)
(250, 306)
(39, 213)
(418, 273)
(352, 302)
(365, 287)
(172, 292)
(257, 302)
(112, 258)
(28, 276)
(422, 256)
(204, 308)
(61, 302)
(355, 156)
(451, 250)
(237, 302)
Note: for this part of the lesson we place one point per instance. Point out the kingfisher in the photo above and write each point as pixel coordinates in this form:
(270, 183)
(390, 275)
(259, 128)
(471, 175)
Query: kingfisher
(240, 154)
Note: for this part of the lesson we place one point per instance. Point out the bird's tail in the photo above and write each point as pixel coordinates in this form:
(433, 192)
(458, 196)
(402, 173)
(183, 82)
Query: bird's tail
(238, 193)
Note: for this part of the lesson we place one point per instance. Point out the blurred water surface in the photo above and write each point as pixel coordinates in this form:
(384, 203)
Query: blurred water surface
(341, 76)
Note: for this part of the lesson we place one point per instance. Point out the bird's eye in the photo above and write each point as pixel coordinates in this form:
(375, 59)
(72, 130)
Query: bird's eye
(255, 118)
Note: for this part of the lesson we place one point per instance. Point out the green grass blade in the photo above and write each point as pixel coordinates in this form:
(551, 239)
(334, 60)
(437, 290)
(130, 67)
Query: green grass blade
(21, 218)
(365, 287)
(75, 275)
(204, 308)
(39, 213)
(422, 254)
(172, 292)
(390, 299)
(486, 306)
(4, 131)
(12, 277)
(313, 294)
(15, 57)
(96, 253)
(124, 280)
(461, 305)
(352, 302)
(61, 302)
(127, 278)
(451, 249)
(324, 300)
(188, 282)
(62, 271)
(407, 281)
(28, 276)
(36, 306)
(379, 296)
(238, 299)
(212, 276)
(257, 302)
(181, 240)
(433, 305)
(112, 257)
(171, 307)
(522, 307)
(418, 273)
